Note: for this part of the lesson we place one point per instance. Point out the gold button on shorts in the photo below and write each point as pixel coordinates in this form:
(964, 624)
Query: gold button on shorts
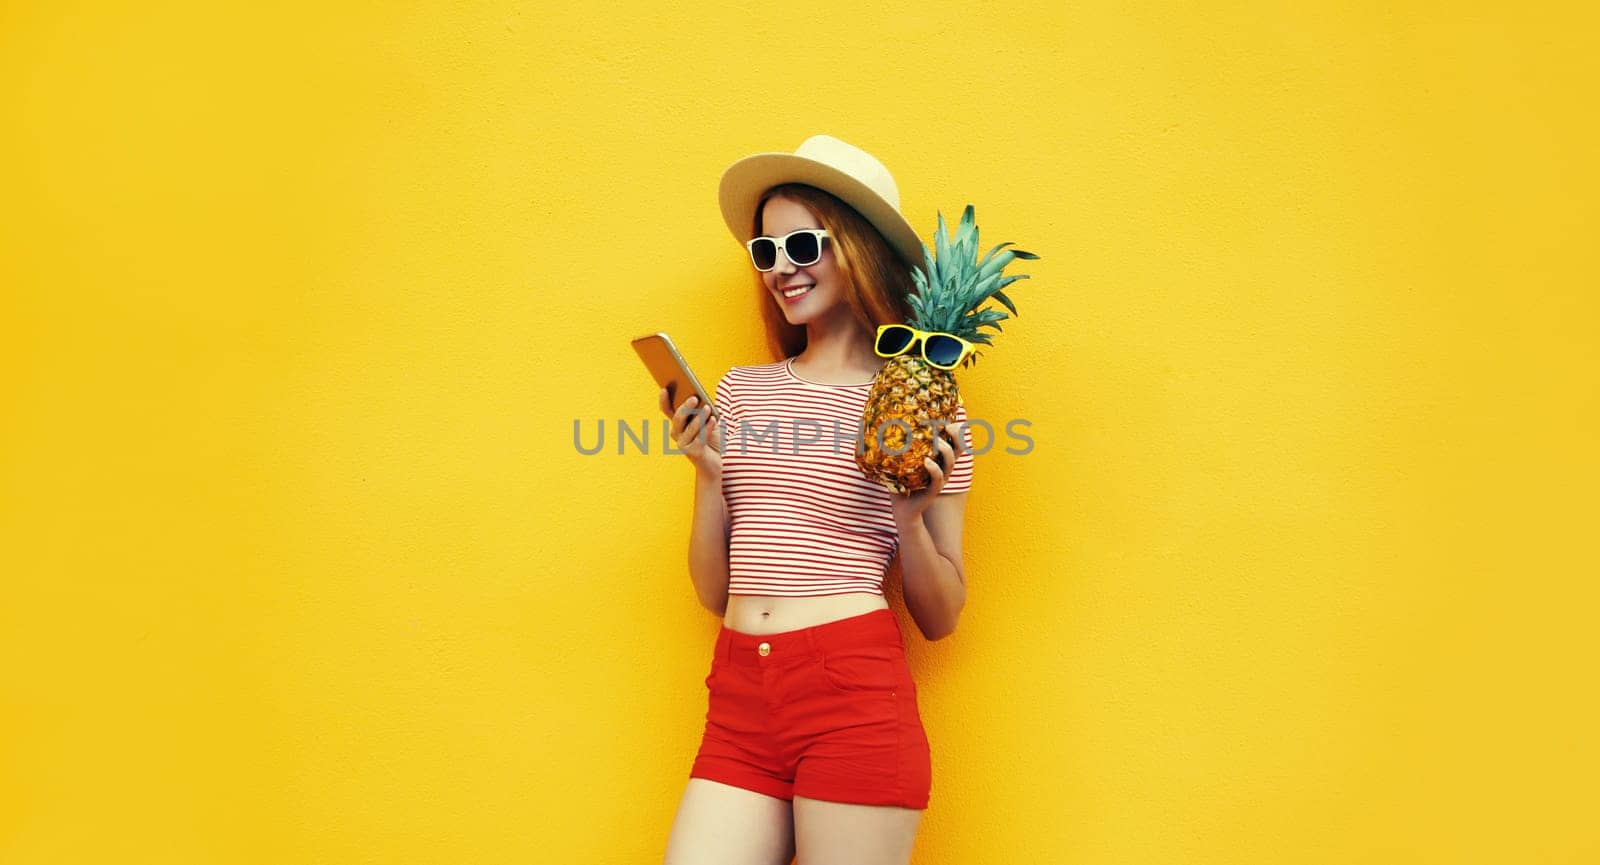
(765, 649)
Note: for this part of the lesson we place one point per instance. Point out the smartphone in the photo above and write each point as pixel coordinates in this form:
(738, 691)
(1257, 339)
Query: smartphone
(670, 370)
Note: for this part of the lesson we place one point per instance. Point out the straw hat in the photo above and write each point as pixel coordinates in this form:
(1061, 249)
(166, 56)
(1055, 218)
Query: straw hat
(850, 173)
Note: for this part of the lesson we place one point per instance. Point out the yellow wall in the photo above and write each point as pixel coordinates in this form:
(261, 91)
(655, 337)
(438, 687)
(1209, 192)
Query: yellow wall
(298, 306)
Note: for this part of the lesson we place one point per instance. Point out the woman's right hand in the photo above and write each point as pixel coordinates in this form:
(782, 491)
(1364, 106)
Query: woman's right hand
(695, 433)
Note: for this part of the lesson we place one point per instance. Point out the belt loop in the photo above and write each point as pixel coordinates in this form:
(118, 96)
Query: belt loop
(814, 643)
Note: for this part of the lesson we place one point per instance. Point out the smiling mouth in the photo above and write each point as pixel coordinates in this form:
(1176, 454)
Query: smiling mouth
(791, 293)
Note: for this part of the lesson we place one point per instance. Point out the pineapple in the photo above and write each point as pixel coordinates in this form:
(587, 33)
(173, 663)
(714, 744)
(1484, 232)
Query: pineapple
(908, 392)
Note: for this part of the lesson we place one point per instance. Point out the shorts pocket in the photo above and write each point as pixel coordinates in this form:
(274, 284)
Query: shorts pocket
(866, 670)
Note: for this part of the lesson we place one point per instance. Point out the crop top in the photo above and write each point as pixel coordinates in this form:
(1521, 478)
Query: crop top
(804, 520)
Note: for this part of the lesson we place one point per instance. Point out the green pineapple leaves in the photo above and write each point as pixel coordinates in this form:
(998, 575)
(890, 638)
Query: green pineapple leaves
(953, 283)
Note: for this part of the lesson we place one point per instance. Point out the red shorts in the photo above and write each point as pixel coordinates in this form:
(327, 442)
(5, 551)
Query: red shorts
(826, 712)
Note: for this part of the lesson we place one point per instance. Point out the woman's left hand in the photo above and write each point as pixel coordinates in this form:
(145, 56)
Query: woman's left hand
(947, 445)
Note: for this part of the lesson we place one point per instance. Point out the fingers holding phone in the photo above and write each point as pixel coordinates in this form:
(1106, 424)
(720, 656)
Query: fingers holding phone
(694, 431)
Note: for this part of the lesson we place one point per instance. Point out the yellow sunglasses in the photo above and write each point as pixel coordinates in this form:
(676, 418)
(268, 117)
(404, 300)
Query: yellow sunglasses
(942, 350)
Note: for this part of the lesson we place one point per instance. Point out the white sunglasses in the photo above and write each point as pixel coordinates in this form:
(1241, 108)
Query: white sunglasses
(801, 247)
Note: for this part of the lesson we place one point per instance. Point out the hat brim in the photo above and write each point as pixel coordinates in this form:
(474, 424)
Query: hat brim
(745, 181)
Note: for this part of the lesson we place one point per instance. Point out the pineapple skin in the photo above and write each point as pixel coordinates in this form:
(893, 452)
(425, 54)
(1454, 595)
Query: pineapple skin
(908, 390)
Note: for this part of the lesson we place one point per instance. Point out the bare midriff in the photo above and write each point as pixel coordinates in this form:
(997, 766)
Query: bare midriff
(769, 614)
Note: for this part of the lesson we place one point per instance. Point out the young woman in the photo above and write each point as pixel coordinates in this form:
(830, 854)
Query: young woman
(813, 742)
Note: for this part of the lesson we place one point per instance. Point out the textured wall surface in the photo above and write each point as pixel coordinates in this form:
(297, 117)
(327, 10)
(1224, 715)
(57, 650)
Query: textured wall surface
(299, 304)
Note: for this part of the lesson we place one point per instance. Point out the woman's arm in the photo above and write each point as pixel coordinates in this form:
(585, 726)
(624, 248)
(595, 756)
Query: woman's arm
(932, 575)
(696, 433)
(931, 572)
(708, 540)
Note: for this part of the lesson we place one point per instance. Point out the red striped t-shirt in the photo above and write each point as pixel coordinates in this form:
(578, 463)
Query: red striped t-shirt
(804, 520)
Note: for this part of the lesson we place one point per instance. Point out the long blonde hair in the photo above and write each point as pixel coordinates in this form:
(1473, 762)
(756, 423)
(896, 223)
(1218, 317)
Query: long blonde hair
(876, 279)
